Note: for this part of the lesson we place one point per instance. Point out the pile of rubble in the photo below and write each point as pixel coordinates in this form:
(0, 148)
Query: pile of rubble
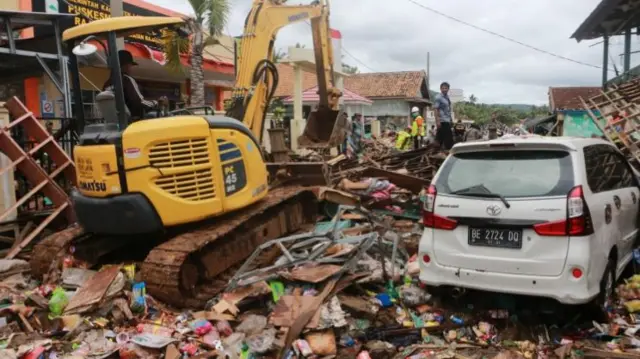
(379, 154)
(349, 289)
(380, 179)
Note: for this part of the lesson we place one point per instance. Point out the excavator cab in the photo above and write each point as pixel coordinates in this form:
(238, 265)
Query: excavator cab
(144, 176)
(85, 41)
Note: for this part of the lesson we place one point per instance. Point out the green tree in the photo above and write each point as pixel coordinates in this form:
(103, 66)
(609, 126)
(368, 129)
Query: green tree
(210, 18)
(481, 113)
(473, 98)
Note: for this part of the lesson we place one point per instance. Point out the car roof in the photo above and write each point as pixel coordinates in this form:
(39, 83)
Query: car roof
(569, 143)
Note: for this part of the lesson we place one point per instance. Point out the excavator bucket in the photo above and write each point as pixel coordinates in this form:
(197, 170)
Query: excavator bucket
(325, 128)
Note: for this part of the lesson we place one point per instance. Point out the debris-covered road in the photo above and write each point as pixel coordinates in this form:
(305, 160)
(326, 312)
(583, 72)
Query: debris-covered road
(347, 289)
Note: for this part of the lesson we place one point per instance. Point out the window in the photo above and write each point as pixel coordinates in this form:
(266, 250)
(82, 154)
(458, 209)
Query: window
(607, 170)
(509, 173)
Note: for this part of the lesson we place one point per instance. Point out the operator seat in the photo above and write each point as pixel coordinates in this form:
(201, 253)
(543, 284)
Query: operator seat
(106, 103)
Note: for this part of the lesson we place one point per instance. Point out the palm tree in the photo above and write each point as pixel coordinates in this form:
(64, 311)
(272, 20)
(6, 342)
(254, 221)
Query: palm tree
(473, 99)
(207, 24)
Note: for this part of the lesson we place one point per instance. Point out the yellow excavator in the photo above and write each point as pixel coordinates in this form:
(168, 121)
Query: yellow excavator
(191, 190)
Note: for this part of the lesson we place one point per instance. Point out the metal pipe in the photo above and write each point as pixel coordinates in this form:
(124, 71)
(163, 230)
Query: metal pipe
(627, 52)
(78, 110)
(605, 60)
(116, 80)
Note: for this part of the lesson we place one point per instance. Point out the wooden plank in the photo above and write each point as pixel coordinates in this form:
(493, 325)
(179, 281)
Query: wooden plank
(43, 224)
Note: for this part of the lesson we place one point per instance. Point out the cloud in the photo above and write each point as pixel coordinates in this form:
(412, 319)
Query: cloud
(397, 35)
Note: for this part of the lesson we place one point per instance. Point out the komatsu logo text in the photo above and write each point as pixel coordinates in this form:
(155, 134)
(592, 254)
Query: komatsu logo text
(300, 16)
(93, 186)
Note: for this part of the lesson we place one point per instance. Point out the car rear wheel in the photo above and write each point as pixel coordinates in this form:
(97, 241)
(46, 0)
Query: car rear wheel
(606, 297)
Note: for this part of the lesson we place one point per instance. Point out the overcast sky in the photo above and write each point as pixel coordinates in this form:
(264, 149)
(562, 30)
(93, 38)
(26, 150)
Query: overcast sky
(395, 35)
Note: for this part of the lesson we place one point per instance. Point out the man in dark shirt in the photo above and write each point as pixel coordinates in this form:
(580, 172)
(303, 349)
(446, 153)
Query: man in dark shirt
(133, 97)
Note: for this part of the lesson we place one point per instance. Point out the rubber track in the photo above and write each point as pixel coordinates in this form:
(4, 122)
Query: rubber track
(48, 254)
(193, 267)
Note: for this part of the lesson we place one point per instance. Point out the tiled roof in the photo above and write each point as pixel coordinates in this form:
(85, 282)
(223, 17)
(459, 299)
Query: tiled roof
(568, 98)
(311, 95)
(404, 84)
(286, 79)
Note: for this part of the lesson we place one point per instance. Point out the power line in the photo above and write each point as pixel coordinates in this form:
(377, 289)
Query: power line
(357, 60)
(504, 37)
(345, 51)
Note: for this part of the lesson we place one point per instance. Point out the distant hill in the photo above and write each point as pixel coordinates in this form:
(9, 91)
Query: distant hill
(517, 107)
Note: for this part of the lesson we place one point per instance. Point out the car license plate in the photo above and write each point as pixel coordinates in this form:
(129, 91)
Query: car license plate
(495, 237)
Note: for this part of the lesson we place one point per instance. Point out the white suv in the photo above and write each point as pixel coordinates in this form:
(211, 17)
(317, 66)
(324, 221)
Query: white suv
(546, 216)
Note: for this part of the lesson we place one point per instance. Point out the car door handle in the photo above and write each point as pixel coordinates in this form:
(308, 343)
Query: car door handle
(633, 197)
(607, 213)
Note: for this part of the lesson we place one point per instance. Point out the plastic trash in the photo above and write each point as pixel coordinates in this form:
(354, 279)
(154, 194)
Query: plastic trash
(58, 301)
(277, 290)
(130, 271)
(456, 320)
(224, 328)
(201, 326)
(148, 340)
(384, 300)
(303, 347)
(190, 349)
(212, 338)
(414, 296)
(138, 300)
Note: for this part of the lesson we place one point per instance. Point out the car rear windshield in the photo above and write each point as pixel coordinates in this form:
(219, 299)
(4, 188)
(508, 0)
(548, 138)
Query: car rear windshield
(508, 173)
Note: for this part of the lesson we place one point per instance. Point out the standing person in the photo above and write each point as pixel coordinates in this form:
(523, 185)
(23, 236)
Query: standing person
(357, 132)
(443, 117)
(417, 128)
(347, 137)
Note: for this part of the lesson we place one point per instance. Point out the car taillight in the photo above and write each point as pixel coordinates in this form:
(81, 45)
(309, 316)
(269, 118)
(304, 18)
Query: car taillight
(429, 218)
(578, 221)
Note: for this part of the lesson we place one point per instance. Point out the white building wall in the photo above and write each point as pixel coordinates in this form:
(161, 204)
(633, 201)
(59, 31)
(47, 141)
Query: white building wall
(390, 108)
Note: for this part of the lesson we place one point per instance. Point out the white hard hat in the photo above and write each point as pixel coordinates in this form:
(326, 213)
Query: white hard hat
(415, 109)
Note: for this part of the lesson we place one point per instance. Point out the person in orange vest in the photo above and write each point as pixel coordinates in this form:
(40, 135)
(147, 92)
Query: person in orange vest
(417, 128)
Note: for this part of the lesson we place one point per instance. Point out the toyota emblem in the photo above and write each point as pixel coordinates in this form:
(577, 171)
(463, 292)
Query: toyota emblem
(494, 210)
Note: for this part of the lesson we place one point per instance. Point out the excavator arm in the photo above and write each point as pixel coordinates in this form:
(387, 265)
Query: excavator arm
(257, 76)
